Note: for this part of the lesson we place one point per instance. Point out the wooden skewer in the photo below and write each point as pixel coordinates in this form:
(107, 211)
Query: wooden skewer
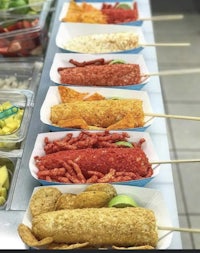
(190, 230)
(164, 44)
(172, 116)
(173, 72)
(176, 161)
(162, 17)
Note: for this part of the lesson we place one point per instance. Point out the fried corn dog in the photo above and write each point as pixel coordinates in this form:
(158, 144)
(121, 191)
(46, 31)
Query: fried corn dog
(99, 226)
(102, 113)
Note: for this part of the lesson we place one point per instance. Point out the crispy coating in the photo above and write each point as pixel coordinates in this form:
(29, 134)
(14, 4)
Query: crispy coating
(91, 199)
(64, 246)
(28, 238)
(65, 201)
(44, 200)
(99, 226)
(105, 187)
(133, 247)
(100, 113)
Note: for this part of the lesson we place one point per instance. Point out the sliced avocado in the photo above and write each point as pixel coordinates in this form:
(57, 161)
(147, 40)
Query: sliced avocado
(123, 6)
(117, 61)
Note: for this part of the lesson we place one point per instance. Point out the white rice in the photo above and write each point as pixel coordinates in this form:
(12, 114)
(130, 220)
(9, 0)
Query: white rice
(103, 43)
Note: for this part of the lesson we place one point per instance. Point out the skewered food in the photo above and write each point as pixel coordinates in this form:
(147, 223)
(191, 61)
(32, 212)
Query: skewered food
(107, 14)
(103, 42)
(110, 114)
(101, 75)
(92, 158)
(98, 226)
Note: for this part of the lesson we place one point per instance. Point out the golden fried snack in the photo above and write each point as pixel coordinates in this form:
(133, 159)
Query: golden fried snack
(101, 113)
(108, 188)
(28, 238)
(133, 247)
(44, 200)
(123, 227)
(70, 95)
(65, 201)
(91, 199)
(67, 246)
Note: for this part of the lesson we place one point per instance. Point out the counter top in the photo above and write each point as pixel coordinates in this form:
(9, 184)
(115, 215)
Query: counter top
(25, 182)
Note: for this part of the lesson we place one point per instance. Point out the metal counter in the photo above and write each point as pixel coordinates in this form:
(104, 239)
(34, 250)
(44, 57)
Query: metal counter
(10, 219)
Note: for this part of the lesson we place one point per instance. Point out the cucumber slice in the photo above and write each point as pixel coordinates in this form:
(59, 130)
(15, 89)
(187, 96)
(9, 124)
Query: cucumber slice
(117, 61)
(123, 6)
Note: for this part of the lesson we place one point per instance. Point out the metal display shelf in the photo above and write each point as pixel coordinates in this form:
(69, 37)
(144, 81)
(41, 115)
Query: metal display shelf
(10, 219)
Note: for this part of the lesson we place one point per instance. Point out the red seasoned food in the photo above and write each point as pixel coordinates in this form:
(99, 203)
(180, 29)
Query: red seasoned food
(101, 75)
(119, 15)
(100, 160)
(93, 157)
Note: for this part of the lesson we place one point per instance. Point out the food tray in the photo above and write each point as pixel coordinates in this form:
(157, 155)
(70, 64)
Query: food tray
(147, 147)
(24, 35)
(53, 98)
(15, 74)
(22, 99)
(98, 5)
(12, 163)
(62, 60)
(145, 197)
(68, 31)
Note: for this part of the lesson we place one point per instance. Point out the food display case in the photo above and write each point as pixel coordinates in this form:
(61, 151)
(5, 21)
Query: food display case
(23, 183)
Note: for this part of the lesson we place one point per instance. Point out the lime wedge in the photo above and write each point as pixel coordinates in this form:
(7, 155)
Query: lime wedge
(117, 61)
(36, 5)
(123, 6)
(121, 201)
(124, 143)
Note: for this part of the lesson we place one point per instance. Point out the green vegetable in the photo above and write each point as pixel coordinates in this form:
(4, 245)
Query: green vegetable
(4, 4)
(20, 5)
(124, 143)
(123, 6)
(117, 61)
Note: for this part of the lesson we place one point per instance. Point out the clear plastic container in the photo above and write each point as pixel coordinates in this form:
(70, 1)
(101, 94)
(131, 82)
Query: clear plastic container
(12, 165)
(17, 74)
(10, 9)
(13, 129)
(23, 36)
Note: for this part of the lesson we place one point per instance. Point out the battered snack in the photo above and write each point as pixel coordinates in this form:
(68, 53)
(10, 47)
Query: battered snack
(91, 199)
(98, 226)
(44, 200)
(65, 201)
(101, 113)
(105, 187)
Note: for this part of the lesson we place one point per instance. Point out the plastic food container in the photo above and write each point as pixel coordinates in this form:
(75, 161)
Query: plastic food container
(24, 35)
(10, 9)
(11, 165)
(15, 74)
(13, 129)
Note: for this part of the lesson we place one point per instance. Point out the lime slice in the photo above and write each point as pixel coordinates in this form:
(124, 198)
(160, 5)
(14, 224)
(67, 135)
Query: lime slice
(36, 5)
(124, 143)
(118, 61)
(121, 201)
(123, 6)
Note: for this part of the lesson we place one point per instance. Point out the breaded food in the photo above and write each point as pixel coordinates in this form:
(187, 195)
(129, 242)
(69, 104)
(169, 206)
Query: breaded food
(99, 113)
(64, 246)
(91, 199)
(105, 187)
(65, 201)
(28, 238)
(44, 200)
(123, 227)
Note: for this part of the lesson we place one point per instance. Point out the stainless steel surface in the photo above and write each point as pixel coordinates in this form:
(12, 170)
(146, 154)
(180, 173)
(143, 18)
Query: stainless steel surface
(25, 183)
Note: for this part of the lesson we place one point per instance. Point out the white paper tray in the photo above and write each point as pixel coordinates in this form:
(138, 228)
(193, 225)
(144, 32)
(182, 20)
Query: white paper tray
(98, 6)
(62, 60)
(53, 98)
(147, 198)
(147, 147)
